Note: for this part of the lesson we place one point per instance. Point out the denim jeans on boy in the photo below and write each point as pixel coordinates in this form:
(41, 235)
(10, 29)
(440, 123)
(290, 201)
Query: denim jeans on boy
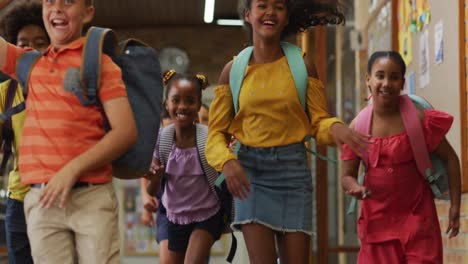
(19, 250)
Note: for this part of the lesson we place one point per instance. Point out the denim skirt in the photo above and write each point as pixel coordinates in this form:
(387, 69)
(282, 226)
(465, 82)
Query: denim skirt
(280, 189)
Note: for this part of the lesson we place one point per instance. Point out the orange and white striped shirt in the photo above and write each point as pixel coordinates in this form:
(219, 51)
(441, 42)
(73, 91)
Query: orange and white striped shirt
(57, 127)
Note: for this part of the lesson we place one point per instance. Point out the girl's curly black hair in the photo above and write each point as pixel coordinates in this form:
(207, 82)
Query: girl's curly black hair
(19, 16)
(302, 14)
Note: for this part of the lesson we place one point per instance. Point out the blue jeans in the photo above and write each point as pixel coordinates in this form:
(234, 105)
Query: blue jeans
(19, 250)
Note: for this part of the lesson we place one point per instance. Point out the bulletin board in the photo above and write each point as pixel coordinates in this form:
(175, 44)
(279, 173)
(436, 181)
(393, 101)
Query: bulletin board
(379, 34)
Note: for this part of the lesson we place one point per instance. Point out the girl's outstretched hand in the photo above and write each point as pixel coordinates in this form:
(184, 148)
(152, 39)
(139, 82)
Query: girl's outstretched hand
(236, 179)
(359, 191)
(150, 203)
(352, 187)
(454, 221)
(155, 175)
(344, 135)
(147, 218)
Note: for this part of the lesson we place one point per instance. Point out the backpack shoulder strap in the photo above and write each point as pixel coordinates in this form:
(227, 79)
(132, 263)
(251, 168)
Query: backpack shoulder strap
(236, 75)
(414, 129)
(98, 40)
(420, 101)
(24, 68)
(295, 62)
(7, 128)
(166, 140)
(362, 124)
(210, 173)
(298, 69)
(10, 110)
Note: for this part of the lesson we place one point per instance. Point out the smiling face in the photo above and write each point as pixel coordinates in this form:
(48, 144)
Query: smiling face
(32, 36)
(386, 81)
(64, 20)
(268, 18)
(183, 102)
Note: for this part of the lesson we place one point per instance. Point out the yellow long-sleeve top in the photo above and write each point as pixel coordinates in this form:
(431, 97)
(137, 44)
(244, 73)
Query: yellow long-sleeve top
(270, 113)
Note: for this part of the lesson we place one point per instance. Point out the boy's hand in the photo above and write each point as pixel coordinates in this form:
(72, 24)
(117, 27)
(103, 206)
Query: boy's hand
(454, 221)
(344, 135)
(58, 187)
(236, 179)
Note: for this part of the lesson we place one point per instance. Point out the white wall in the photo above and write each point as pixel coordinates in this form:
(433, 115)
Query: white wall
(443, 90)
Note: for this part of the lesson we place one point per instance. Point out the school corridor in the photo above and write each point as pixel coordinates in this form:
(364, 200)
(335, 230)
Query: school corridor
(193, 36)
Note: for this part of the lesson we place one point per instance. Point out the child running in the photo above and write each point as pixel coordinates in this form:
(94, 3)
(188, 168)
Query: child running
(270, 178)
(23, 26)
(65, 151)
(153, 205)
(398, 222)
(192, 206)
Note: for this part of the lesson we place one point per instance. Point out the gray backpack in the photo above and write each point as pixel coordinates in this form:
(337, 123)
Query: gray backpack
(141, 73)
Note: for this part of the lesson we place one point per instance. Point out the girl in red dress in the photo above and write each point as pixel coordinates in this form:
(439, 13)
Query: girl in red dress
(398, 221)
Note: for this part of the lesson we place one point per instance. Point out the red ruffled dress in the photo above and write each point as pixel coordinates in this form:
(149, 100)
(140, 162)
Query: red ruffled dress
(401, 207)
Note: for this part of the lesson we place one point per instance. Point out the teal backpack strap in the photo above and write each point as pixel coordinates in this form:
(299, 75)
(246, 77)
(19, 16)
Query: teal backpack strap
(221, 177)
(308, 138)
(296, 65)
(298, 69)
(24, 68)
(98, 40)
(353, 203)
(236, 75)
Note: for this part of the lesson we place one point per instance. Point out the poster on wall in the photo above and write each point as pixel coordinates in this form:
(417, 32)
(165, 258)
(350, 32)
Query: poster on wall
(424, 74)
(372, 5)
(138, 238)
(404, 34)
(405, 46)
(439, 42)
(409, 83)
(423, 14)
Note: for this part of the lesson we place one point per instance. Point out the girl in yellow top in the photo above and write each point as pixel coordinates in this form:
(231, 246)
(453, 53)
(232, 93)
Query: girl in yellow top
(270, 179)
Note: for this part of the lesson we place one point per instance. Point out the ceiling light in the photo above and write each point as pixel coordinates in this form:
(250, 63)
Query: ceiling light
(230, 22)
(209, 11)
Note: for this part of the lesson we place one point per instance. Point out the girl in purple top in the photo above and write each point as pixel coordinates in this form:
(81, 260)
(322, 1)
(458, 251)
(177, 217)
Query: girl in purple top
(193, 209)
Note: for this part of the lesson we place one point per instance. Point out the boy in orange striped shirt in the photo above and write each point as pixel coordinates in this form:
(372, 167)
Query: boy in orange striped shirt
(65, 152)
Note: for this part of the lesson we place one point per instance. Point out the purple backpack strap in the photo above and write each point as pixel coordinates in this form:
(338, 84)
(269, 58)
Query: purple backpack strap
(362, 124)
(7, 129)
(409, 114)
